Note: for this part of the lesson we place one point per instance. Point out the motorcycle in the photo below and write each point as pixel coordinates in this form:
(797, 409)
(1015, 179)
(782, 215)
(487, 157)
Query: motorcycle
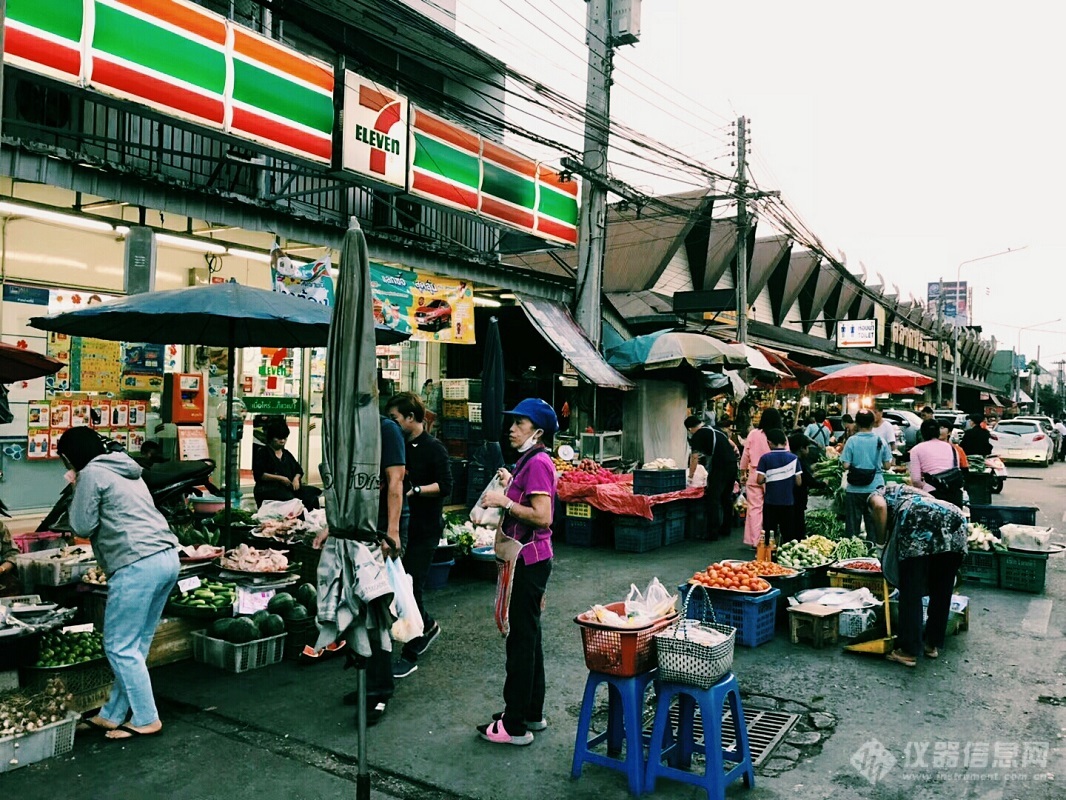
(999, 473)
(169, 482)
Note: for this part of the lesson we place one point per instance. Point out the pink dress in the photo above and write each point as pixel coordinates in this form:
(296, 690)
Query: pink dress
(754, 449)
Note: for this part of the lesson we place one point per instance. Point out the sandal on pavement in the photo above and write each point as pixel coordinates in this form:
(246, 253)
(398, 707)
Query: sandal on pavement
(531, 724)
(497, 734)
(900, 658)
(931, 652)
(90, 724)
(131, 733)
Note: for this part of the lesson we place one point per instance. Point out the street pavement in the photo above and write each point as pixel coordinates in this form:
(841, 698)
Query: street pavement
(985, 721)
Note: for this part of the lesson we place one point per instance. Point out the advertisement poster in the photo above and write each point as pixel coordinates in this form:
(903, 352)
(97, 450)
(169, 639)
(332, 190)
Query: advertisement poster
(430, 308)
(310, 281)
(94, 365)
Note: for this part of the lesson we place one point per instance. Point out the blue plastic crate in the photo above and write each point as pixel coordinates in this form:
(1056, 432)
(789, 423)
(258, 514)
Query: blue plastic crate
(673, 531)
(696, 521)
(658, 481)
(992, 517)
(455, 429)
(637, 535)
(588, 532)
(458, 494)
(753, 617)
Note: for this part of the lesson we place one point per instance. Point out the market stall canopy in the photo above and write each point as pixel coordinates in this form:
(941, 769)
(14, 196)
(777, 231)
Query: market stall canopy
(21, 364)
(992, 399)
(555, 324)
(668, 349)
(758, 361)
(213, 315)
(869, 379)
(1022, 398)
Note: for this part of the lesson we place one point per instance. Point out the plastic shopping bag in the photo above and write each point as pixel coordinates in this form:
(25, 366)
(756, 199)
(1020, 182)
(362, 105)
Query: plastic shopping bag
(489, 517)
(408, 624)
(280, 509)
(698, 477)
(655, 602)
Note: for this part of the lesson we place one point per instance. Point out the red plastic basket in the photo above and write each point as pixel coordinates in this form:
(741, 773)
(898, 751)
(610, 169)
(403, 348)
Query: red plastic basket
(624, 652)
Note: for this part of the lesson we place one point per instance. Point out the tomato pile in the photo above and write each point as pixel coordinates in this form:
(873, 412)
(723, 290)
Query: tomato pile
(739, 578)
(769, 568)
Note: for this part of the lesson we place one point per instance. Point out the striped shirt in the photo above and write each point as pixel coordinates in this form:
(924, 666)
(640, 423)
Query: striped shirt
(779, 467)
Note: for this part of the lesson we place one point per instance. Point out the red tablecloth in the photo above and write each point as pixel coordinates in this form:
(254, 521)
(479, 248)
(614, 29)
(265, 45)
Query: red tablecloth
(618, 498)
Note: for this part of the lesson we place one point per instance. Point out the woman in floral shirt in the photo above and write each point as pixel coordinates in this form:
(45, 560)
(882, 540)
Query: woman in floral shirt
(932, 543)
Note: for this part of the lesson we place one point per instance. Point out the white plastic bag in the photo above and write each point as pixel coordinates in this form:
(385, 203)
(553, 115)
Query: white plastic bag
(280, 509)
(698, 477)
(655, 603)
(408, 624)
(490, 517)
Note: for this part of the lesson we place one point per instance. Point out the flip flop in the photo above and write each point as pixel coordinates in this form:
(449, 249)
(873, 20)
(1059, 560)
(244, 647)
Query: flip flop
(90, 725)
(133, 733)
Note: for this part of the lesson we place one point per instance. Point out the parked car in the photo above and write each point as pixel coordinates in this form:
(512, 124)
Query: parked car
(1047, 423)
(434, 315)
(1023, 440)
(908, 423)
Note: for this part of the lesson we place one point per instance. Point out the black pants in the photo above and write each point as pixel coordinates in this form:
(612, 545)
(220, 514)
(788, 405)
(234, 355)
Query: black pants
(720, 489)
(379, 683)
(422, 539)
(799, 513)
(777, 520)
(926, 575)
(523, 690)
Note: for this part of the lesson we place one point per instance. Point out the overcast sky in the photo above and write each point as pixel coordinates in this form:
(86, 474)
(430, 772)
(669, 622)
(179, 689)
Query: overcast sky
(912, 136)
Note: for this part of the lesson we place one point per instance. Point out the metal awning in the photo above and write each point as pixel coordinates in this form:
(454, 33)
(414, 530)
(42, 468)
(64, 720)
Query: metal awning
(555, 324)
(992, 399)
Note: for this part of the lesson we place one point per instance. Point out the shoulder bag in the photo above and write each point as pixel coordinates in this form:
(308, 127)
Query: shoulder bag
(948, 481)
(857, 476)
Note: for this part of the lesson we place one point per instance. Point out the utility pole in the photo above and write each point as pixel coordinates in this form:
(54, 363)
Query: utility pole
(592, 228)
(1035, 381)
(940, 343)
(742, 230)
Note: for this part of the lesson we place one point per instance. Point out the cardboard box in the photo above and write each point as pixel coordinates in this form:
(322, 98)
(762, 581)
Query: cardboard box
(173, 640)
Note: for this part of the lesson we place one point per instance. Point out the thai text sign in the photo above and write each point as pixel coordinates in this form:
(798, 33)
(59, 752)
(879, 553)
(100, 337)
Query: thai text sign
(428, 307)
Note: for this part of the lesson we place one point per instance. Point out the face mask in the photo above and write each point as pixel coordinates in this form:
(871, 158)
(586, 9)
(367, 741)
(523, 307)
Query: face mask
(529, 443)
(278, 446)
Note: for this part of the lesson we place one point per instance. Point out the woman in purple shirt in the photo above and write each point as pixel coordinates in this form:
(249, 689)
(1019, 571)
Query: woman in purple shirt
(527, 503)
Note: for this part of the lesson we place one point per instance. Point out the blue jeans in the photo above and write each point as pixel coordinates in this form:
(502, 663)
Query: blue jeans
(136, 595)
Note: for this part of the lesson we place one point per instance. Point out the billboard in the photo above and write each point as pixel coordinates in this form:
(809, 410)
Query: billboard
(857, 333)
(951, 298)
(430, 308)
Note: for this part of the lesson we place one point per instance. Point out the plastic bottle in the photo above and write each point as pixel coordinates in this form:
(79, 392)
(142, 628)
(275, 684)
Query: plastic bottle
(772, 550)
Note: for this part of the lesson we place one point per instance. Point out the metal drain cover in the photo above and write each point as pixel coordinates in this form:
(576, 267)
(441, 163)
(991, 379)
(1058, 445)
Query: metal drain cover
(765, 729)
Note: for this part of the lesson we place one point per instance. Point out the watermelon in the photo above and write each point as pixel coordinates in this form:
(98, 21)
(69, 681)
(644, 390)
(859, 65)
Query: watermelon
(272, 625)
(243, 630)
(280, 602)
(259, 616)
(220, 627)
(296, 614)
(307, 596)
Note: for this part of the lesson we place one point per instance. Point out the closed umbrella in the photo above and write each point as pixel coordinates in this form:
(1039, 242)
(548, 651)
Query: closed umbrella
(489, 457)
(213, 315)
(869, 379)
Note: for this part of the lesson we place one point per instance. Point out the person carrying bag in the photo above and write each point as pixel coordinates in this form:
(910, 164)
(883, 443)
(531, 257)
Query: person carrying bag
(524, 562)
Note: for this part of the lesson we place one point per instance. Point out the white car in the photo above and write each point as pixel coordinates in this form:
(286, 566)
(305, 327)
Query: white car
(1047, 423)
(1023, 440)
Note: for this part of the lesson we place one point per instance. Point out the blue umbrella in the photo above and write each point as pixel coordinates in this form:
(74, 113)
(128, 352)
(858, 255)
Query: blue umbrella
(213, 315)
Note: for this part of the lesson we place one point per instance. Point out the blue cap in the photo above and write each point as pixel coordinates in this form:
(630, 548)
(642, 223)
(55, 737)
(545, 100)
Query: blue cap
(538, 412)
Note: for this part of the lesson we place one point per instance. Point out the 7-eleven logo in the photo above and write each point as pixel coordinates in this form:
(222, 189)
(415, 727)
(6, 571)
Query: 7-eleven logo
(378, 114)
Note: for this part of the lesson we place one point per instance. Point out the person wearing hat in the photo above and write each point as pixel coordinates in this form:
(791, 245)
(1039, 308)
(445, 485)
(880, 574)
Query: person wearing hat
(527, 500)
(138, 552)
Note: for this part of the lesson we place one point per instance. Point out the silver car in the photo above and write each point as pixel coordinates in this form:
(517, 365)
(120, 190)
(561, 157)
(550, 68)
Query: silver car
(1023, 440)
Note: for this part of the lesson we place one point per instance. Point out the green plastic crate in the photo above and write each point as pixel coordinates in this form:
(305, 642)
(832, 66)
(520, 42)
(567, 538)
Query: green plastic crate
(980, 567)
(1023, 572)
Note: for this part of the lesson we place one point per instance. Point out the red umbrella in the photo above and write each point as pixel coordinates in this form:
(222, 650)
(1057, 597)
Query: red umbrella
(869, 379)
(21, 364)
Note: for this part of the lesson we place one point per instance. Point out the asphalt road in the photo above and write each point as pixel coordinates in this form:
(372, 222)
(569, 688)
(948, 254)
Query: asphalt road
(985, 721)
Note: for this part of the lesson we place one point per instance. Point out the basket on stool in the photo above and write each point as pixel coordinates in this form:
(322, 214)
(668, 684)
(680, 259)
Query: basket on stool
(619, 651)
(683, 660)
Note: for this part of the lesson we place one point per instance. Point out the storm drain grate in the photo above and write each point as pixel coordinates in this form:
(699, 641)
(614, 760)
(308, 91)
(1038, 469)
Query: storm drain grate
(766, 729)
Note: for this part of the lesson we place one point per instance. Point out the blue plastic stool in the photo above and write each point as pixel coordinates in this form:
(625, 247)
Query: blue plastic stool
(625, 704)
(715, 778)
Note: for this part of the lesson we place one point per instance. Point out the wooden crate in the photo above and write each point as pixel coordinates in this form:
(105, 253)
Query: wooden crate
(173, 640)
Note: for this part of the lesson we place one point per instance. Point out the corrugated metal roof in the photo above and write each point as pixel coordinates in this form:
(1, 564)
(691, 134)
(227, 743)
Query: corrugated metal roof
(638, 247)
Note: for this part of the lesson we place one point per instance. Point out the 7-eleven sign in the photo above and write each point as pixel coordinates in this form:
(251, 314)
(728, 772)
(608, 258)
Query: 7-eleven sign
(374, 138)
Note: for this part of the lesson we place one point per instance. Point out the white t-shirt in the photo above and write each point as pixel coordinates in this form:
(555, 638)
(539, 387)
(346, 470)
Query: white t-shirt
(887, 431)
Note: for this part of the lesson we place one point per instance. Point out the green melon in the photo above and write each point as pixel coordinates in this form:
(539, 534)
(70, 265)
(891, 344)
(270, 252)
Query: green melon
(259, 616)
(280, 602)
(220, 627)
(272, 625)
(307, 596)
(296, 613)
(243, 630)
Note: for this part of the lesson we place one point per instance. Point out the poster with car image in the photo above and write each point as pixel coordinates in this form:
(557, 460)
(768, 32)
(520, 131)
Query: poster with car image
(430, 308)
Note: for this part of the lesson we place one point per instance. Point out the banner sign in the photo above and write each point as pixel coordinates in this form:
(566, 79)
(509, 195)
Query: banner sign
(857, 333)
(459, 169)
(430, 308)
(952, 298)
(310, 281)
(182, 59)
(374, 137)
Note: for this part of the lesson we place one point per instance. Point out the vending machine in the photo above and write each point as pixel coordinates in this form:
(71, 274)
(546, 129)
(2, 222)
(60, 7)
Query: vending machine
(184, 398)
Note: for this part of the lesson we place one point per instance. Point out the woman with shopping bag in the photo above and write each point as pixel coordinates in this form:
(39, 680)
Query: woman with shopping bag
(524, 555)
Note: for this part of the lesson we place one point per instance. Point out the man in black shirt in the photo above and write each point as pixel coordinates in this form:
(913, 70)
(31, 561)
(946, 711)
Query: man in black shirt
(977, 441)
(428, 482)
(712, 449)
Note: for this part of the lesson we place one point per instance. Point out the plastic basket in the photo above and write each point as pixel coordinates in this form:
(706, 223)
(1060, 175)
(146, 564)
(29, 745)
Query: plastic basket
(474, 412)
(992, 517)
(455, 409)
(89, 683)
(580, 510)
(456, 448)
(237, 657)
(682, 660)
(477, 478)
(658, 481)
(455, 429)
(637, 535)
(753, 617)
(696, 521)
(35, 542)
(673, 530)
(981, 567)
(1023, 572)
(59, 572)
(461, 389)
(475, 433)
(54, 739)
(437, 577)
(979, 487)
(624, 652)
(590, 532)
(846, 580)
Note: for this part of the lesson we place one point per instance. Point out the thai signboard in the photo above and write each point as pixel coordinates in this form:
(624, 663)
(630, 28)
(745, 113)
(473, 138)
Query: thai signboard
(181, 59)
(373, 138)
(459, 169)
(428, 307)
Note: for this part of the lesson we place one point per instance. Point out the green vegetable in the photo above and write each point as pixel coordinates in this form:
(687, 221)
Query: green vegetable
(824, 522)
(853, 547)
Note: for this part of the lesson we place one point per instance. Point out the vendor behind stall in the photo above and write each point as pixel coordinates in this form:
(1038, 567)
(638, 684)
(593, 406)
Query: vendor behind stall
(278, 475)
(9, 577)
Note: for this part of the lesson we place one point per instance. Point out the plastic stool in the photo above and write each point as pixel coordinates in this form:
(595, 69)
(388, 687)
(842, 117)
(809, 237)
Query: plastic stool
(715, 778)
(625, 704)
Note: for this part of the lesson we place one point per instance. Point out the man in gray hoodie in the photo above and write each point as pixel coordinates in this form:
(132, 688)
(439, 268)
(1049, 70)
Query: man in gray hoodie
(134, 545)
